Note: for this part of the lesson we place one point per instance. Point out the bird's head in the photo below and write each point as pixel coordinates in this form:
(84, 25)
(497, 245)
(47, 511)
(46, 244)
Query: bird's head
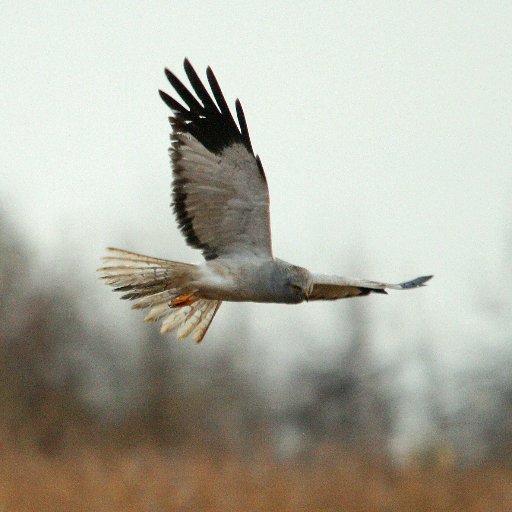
(299, 283)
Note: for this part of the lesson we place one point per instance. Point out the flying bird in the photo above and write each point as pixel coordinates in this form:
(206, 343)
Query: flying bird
(221, 204)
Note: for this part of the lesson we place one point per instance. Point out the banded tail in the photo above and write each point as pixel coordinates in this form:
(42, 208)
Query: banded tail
(163, 286)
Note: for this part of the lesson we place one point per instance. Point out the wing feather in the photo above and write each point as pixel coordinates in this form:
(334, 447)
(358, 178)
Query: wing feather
(174, 105)
(219, 96)
(185, 94)
(199, 88)
(335, 287)
(220, 194)
(245, 130)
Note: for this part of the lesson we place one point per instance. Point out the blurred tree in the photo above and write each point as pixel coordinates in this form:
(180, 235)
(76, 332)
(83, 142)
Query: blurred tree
(347, 402)
(14, 276)
(481, 425)
(160, 412)
(35, 381)
(65, 379)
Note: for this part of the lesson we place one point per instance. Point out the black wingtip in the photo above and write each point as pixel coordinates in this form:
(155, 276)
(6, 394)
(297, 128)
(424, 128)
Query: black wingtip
(163, 95)
(173, 104)
(243, 126)
(416, 283)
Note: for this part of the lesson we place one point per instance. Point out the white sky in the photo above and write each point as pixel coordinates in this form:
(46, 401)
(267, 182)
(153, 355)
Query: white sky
(384, 129)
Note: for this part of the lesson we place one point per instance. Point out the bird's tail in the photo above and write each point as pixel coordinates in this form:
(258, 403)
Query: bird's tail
(163, 286)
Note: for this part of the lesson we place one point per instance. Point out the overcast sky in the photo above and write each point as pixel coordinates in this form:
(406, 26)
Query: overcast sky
(384, 129)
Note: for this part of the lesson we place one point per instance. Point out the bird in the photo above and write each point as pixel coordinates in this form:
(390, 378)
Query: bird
(220, 200)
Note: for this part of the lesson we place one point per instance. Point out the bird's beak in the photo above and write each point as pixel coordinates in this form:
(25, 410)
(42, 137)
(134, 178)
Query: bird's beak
(306, 295)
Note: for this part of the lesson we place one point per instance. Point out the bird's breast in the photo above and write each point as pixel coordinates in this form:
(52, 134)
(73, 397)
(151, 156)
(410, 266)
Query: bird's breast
(240, 281)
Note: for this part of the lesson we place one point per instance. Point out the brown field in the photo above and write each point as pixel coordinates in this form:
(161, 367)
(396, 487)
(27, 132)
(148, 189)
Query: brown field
(149, 479)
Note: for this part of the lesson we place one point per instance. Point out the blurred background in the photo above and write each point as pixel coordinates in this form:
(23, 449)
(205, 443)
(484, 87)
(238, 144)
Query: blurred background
(384, 129)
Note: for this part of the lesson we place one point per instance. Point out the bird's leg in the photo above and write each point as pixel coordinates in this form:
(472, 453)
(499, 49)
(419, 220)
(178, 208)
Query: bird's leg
(184, 300)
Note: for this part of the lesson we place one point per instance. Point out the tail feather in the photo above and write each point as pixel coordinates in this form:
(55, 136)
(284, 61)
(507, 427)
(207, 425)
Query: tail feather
(208, 314)
(163, 286)
(190, 323)
(156, 312)
(153, 300)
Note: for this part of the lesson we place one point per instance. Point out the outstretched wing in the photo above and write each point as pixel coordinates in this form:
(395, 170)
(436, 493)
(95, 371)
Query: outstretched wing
(335, 287)
(220, 193)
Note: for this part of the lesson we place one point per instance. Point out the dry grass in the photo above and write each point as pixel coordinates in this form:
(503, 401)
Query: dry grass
(147, 479)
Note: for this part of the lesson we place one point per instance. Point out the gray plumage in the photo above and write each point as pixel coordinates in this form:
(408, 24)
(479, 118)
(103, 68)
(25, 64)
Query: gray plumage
(221, 204)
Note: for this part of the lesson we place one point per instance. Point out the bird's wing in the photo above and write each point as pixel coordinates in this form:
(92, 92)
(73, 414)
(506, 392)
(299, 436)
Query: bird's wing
(335, 287)
(220, 193)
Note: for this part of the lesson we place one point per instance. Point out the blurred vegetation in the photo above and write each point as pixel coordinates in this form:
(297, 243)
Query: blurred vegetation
(85, 427)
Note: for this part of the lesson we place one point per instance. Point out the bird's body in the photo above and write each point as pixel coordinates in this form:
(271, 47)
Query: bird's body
(248, 280)
(221, 204)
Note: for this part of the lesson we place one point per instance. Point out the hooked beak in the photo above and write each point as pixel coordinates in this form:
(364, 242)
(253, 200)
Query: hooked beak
(306, 295)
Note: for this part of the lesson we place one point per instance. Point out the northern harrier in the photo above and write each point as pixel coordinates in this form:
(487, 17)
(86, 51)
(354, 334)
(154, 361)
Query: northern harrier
(221, 203)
